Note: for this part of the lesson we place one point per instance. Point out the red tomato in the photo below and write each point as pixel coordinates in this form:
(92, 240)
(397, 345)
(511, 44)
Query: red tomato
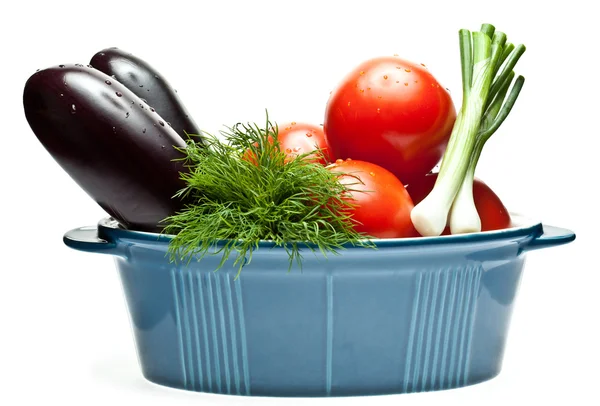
(491, 210)
(393, 113)
(383, 205)
(297, 139)
(300, 138)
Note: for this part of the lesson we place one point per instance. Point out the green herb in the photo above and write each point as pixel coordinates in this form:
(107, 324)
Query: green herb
(245, 190)
(487, 62)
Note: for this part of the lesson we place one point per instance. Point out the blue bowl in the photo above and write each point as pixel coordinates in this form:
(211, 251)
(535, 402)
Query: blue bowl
(416, 314)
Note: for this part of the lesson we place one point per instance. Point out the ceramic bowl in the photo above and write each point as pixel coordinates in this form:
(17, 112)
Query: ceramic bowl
(415, 314)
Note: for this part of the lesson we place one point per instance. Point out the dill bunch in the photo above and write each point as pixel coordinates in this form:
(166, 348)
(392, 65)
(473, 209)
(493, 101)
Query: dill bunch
(246, 190)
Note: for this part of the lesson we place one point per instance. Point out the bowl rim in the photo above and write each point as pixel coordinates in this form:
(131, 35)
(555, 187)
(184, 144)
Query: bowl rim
(521, 226)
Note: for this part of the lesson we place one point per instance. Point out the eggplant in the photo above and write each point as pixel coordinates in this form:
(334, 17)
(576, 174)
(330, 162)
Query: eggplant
(111, 143)
(143, 80)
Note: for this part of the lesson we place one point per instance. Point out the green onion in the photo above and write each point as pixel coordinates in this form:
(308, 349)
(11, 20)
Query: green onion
(487, 63)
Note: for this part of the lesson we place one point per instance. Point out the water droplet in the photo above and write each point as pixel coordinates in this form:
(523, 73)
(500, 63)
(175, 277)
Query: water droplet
(339, 161)
(132, 102)
(379, 97)
(362, 90)
(407, 70)
(37, 70)
(362, 72)
(73, 108)
(119, 94)
(378, 110)
(288, 150)
(348, 104)
(296, 149)
(405, 83)
(385, 77)
(141, 85)
(348, 159)
(144, 131)
(372, 173)
(368, 88)
(162, 146)
(423, 65)
(145, 101)
(169, 124)
(175, 90)
(308, 134)
(79, 65)
(61, 95)
(293, 123)
(89, 66)
(161, 123)
(152, 109)
(156, 76)
(108, 82)
(101, 54)
(115, 130)
(113, 76)
(61, 66)
(397, 81)
(65, 83)
(141, 105)
(127, 115)
(416, 81)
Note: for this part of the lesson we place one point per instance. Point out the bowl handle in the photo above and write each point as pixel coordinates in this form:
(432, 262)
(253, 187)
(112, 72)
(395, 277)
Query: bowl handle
(549, 237)
(86, 239)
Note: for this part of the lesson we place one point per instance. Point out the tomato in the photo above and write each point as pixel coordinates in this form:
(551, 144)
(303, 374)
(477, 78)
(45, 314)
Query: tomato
(393, 113)
(491, 210)
(382, 205)
(300, 138)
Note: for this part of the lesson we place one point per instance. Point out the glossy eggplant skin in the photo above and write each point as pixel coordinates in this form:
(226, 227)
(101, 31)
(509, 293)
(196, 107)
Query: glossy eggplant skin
(109, 141)
(143, 80)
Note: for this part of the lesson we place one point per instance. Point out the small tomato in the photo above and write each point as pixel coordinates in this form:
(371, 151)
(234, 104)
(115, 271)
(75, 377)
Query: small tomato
(381, 204)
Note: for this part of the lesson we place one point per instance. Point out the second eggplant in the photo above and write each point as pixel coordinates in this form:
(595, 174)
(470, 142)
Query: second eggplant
(115, 146)
(147, 83)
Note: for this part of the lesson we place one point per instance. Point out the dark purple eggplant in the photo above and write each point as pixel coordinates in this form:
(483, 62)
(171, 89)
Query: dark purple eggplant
(118, 149)
(143, 80)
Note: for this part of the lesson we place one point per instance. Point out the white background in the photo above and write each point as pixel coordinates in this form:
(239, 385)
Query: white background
(64, 331)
